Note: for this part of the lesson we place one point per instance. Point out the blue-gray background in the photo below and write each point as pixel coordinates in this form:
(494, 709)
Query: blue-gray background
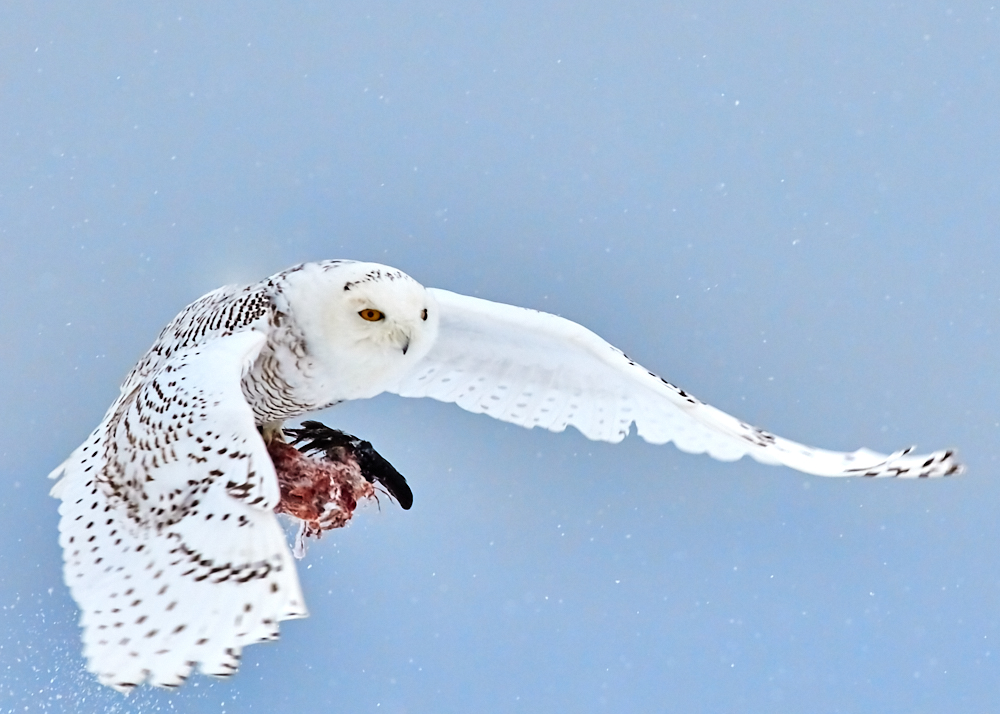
(788, 208)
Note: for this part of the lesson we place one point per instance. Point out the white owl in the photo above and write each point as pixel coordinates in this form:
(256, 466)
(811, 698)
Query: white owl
(172, 547)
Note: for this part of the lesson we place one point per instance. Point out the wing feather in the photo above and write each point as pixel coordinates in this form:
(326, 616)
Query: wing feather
(535, 369)
(171, 546)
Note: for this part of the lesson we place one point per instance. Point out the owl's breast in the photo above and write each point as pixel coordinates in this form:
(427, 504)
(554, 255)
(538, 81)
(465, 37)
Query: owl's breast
(285, 382)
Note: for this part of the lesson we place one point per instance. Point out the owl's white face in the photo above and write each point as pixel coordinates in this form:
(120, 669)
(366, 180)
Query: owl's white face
(365, 324)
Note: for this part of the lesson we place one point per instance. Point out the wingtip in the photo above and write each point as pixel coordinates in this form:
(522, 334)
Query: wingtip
(906, 464)
(951, 464)
(937, 465)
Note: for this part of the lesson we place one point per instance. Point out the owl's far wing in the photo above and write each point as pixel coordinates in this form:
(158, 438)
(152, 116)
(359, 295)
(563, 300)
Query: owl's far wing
(535, 369)
(171, 545)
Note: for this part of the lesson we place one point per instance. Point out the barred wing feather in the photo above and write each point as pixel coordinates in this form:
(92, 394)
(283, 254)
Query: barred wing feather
(171, 546)
(536, 369)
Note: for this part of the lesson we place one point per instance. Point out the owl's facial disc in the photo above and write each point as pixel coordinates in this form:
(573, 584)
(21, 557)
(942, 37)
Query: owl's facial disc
(365, 325)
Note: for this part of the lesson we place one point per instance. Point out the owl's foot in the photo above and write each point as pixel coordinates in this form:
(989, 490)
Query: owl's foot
(271, 432)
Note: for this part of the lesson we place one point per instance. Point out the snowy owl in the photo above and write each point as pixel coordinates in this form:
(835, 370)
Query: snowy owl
(171, 542)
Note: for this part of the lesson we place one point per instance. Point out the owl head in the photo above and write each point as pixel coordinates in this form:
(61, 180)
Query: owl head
(364, 324)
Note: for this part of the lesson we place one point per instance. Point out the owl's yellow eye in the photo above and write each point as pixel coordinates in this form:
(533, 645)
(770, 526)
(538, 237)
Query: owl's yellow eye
(371, 315)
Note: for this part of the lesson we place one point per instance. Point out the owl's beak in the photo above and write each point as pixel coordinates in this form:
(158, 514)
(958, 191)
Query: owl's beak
(398, 335)
(401, 336)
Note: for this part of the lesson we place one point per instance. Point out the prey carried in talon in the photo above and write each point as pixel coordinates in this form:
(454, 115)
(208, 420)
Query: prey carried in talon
(323, 475)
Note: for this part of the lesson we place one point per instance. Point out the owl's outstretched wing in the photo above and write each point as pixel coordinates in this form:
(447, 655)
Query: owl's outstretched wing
(535, 369)
(171, 546)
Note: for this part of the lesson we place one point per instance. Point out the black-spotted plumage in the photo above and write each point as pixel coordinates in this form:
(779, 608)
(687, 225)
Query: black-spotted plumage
(171, 545)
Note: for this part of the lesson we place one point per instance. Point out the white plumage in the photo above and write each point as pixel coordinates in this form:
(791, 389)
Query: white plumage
(172, 548)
